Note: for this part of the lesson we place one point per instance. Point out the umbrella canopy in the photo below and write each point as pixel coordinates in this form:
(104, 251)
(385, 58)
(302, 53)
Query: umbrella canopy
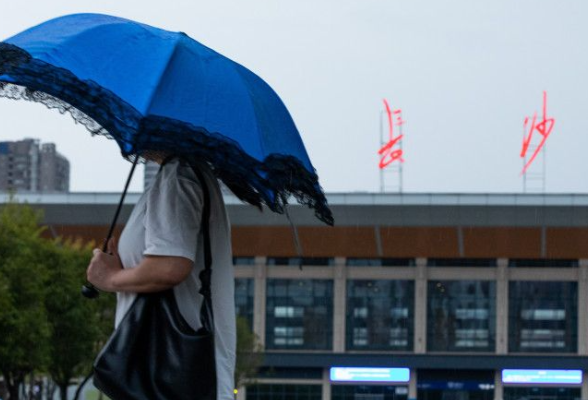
(155, 90)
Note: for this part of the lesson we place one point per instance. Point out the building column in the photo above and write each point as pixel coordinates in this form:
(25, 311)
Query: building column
(412, 385)
(502, 306)
(259, 299)
(326, 384)
(420, 307)
(339, 304)
(498, 388)
(584, 389)
(583, 310)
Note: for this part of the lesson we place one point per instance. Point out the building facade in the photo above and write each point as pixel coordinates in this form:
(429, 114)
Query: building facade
(29, 166)
(150, 171)
(426, 296)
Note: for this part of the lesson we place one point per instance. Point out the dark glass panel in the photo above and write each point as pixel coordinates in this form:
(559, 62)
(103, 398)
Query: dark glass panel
(244, 298)
(454, 394)
(290, 373)
(380, 262)
(398, 262)
(297, 261)
(380, 315)
(299, 314)
(284, 392)
(455, 385)
(543, 317)
(542, 263)
(461, 262)
(243, 260)
(368, 392)
(541, 393)
(461, 316)
(363, 262)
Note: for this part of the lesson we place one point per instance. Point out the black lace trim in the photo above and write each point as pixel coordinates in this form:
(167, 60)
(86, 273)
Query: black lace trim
(102, 112)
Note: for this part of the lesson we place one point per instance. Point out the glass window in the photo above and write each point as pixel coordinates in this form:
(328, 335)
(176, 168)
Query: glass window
(461, 262)
(290, 373)
(318, 261)
(398, 262)
(299, 314)
(367, 392)
(380, 315)
(363, 262)
(542, 263)
(461, 316)
(454, 384)
(380, 262)
(244, 295)
(284, 392)
(543, 317)
(283, 261)
(541, 393)
(297, 261)
(243, 260)
(457, 392)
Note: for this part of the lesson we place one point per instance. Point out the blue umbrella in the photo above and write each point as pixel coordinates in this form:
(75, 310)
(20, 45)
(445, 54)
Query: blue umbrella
(155, 90)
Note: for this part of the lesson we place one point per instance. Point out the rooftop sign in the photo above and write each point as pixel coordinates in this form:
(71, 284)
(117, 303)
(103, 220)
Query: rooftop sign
(388, 153)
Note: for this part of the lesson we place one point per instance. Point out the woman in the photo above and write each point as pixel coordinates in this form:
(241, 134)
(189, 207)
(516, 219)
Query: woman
(161, 247)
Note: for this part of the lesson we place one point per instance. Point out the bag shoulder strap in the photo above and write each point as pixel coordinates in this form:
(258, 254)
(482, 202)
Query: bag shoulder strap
(206, 314)
(205, 228)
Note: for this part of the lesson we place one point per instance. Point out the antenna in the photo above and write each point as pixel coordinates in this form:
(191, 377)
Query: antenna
(535, 177)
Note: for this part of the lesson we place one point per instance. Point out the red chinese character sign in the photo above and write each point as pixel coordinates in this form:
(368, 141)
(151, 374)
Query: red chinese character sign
(543, 128)
(388, 153)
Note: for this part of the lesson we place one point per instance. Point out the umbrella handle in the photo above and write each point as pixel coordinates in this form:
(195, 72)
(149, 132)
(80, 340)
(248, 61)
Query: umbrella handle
(88, 290)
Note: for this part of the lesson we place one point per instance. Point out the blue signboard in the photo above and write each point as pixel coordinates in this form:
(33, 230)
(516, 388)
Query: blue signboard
(562, 376)
(345, 374)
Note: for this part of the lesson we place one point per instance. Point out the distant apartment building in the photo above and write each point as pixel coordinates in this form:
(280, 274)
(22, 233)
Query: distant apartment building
(29, 166)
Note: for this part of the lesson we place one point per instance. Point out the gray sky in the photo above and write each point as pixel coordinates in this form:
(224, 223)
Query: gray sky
(464, 72)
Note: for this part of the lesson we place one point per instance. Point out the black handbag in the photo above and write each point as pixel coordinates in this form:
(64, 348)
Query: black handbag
(154, 354)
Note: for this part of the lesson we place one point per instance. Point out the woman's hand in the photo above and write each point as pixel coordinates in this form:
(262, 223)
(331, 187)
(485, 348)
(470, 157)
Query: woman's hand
(104, 266)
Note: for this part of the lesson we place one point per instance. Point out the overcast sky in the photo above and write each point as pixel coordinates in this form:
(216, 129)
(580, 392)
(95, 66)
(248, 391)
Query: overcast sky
(465, 74)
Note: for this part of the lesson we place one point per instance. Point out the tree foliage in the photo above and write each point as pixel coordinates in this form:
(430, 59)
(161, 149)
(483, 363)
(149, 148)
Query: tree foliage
(24, 330)
(249, 354)
(46, 327)
(72, 320)
(45, 324)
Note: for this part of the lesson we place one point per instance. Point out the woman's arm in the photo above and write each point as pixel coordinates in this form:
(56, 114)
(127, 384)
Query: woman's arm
(153, 274)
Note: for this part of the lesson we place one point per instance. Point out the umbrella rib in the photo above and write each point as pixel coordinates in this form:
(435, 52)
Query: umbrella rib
(163, 71)
(237, 67)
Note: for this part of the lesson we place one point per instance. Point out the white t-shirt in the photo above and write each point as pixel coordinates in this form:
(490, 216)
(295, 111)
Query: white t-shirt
(166, 222)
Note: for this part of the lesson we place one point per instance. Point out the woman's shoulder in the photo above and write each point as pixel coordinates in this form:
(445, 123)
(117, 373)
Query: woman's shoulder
(178, 170)
(177, 181)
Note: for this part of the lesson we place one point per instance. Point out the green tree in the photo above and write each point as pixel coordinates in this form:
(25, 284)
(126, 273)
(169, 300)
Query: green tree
(24, 330)
(103, 319)
(73, 321)
(249, 354)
